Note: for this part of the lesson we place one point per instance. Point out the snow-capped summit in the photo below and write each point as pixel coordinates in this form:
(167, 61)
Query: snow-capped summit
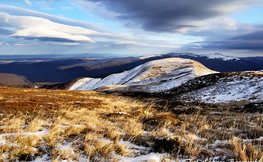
(154, 76)
(219, 56)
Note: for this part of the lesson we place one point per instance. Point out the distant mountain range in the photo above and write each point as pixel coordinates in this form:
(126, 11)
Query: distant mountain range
(62, 69)
(219, 62)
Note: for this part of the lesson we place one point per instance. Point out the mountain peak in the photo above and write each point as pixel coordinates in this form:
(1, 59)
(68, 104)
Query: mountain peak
(154, 76)
(219, 56)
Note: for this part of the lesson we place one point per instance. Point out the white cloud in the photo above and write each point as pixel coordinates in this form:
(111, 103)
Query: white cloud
(40, 28)
(198, 46)
(26, 12)
(22, 44)
(1, 43)
(146, 45)
(31, 27)
(64, 44)
(28, 2)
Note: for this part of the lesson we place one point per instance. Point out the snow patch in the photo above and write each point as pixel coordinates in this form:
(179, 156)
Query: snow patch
(146, 57)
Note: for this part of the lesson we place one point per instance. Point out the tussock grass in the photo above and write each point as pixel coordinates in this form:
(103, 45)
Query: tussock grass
(72, 125)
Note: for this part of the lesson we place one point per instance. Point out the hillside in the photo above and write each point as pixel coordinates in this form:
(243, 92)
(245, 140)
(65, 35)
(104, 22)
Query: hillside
(61, 125)
(12, 79)
(153, 76)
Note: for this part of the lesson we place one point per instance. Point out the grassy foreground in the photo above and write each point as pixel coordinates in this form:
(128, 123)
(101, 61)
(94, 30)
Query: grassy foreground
(57, 125)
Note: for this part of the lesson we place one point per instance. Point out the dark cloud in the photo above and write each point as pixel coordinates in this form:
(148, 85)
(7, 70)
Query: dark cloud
(253, 41)
(253, 36)
(169, 15)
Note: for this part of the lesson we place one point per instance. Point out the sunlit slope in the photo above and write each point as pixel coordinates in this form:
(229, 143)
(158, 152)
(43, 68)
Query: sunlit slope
(153, 76)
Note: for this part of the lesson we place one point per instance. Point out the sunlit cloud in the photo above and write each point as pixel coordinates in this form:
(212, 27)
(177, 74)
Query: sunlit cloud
(28, 2)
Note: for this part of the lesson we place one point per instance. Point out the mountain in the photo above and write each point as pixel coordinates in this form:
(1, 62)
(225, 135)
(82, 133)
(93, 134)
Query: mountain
(12, 79)
(154, 76)
(180, 79)
(217, 61)
(58, 68)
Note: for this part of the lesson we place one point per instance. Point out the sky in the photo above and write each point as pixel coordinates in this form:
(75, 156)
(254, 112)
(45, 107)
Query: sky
(131, 27)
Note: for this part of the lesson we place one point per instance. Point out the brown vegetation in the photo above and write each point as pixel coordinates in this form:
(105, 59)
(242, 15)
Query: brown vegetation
(72, 125)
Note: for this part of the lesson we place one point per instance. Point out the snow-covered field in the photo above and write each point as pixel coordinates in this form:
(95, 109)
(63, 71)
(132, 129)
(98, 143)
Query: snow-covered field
(229, 89)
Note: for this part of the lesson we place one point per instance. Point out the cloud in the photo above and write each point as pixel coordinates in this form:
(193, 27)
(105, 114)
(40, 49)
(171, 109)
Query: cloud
(30, 28)
(23, 44)
(222, 28)
(4, 31)
(252, 41)
(26, 12)
(43, 29)
(145, 45)
(174, 16)
(63, 44)
(28, 2)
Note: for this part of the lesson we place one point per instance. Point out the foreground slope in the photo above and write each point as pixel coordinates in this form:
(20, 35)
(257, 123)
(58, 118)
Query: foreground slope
(60, 125)
(153, 76)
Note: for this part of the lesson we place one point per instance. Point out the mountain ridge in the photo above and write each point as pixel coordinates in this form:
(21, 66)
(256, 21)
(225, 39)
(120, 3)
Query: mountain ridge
(153, 76)
(61, 70)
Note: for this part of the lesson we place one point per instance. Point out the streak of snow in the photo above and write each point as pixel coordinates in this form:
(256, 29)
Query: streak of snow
(154, 157)
(146, 57)
(39, 133)
(130, 145)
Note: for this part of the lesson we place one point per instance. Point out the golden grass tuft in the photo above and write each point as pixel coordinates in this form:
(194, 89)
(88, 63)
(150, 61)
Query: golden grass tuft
(246, 151)
(162, 118)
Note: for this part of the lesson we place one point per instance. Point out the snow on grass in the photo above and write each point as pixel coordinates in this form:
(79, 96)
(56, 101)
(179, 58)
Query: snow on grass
(79, 83)
(39, 133)
(87, 85)
(249, 89)
(152, 157)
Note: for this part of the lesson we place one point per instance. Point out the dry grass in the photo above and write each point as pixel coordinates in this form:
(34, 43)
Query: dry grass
(74, 125)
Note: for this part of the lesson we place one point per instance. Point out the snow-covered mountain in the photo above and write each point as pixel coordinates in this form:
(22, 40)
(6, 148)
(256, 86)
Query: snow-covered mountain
(154, 76)
(216, 61)
(184, 79)
(185, 54)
